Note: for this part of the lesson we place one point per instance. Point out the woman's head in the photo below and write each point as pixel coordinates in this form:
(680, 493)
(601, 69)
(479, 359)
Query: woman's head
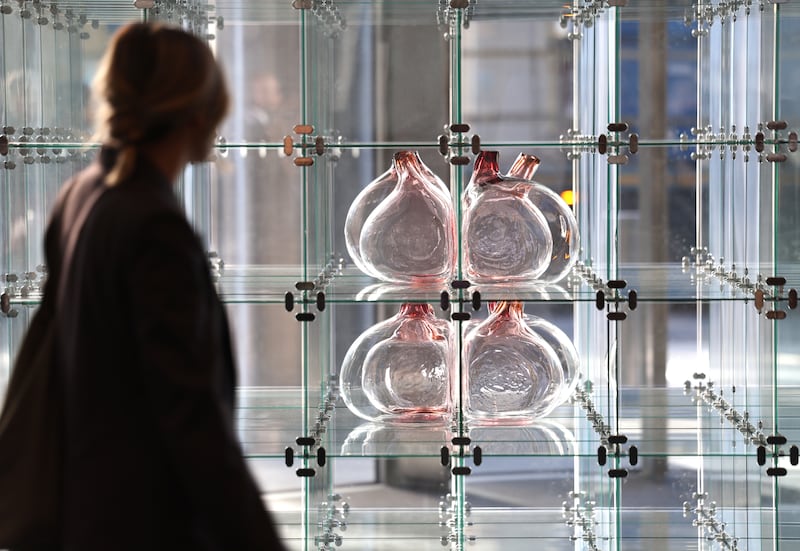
(157, 81)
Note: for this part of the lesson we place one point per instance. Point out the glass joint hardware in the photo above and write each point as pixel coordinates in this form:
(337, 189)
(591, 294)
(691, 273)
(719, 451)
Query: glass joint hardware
(476, 300)
(602, 144)
(216, 265)
(447, 15)
(776, 441)
(792, 141)
(329, 17)
(460, 284)
(702, 265)
(144, 4)
(305, 316)
(475, 144)
(5, 303)
(444, 456)
(444, 301)
(309, 145)
(303, 4)
(288, 301)
(633, 299)
(792, 299)
(777, 471)
(306, 473)
(302, 129)
(599, 425)
(461, 316)
(573, 143)
(288, 456)
(617, 127)
(579, 514)
(704, 393)
(333, 519)
(794, 456)
(325, 412)
(705, 520)
(453, 143)
(578, 18)
(4, 145)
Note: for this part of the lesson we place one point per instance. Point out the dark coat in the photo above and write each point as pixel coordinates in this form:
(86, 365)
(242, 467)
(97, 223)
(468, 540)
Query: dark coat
(152, 460)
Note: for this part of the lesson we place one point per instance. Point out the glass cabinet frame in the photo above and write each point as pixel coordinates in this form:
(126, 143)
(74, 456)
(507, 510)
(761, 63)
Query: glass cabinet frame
(674, 128)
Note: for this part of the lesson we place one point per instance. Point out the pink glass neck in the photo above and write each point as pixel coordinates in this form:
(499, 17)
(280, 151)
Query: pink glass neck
(506, 308)
(525, 166)
(415, 310)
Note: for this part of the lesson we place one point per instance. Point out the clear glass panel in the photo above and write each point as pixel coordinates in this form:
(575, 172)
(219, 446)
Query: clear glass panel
(788, 191)
(656, 216)
(515, 78)
(520, 503)
(390, 503)
(738, 87)
(594, 181)
(283, 493)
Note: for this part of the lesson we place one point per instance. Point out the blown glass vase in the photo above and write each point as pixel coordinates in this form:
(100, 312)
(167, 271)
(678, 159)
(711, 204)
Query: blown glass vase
(564, 349)
(401, 368)
(360, 209)
(506, 238)
(408, 234)
(560, 219)
(510, 371)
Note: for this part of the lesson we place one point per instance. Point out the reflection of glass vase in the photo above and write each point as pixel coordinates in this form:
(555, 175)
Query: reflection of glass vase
(539, 437)
(400, 368)
(506, 237)
(409, 237)
(560, 219)
(510, 371)
(384, 439)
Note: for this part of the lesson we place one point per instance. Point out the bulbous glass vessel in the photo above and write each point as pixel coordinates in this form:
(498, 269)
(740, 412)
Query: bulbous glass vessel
(401, 368)
(560, 219)
(360, 209)
(506, 238)
(408, 235)
(511, 372)
(564, 349)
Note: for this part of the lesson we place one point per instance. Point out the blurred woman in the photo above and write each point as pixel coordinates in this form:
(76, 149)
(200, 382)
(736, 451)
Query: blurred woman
(151, 458)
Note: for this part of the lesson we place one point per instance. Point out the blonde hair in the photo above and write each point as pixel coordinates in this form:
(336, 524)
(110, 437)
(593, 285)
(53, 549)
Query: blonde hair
(152, 79)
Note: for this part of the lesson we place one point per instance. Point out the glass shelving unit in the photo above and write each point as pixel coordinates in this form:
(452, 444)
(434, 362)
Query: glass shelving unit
(674, 125)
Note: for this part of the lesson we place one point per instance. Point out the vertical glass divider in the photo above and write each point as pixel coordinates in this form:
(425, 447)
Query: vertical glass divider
(776, 266)
(306, 505)
(456, 171)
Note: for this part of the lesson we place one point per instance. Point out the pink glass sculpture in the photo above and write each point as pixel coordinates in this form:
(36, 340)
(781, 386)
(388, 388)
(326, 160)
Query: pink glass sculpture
(410, 236)
(372, 196)
(506, 238)
(401, 368)
(510, 372)
(560, 219)
(361, 207)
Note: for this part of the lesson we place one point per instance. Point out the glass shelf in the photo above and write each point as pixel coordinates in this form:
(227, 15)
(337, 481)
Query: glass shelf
(556, 142)
(270, 420)
(653, 283)
(669, 283)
